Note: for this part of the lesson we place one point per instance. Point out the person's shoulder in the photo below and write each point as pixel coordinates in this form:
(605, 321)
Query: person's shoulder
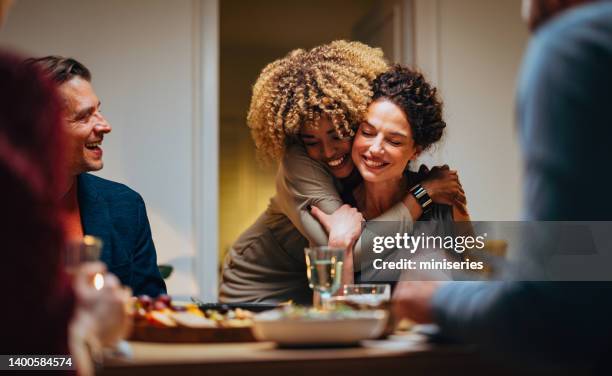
(590, 13)
(296, 155)
(568, 53)
(296, 162)
(580, 24)
(110, 189)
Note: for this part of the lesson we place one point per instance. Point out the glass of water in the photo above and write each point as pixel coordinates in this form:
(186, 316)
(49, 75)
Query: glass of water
(369, 295)
(324, 269)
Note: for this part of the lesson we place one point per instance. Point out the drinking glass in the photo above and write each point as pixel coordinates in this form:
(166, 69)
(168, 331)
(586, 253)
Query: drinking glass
(81, 251)
(324, 270)
(370, 295)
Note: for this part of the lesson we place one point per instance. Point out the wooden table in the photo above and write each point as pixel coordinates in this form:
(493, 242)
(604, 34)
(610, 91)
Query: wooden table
(400, 356)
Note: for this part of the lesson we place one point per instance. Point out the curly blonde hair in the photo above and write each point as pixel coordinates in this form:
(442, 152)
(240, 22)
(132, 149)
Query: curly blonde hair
(334, 79)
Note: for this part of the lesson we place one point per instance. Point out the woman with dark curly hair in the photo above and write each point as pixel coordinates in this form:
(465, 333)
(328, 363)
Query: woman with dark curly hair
(404, 119)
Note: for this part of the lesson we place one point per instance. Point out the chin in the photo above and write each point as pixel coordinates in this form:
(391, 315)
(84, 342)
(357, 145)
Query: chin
(94, 167)
(345, 172)
(370, 176)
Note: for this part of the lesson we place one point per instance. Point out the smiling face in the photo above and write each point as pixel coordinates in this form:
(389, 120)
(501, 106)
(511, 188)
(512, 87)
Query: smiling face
(384, 143)
(323, 144)
(85, 126)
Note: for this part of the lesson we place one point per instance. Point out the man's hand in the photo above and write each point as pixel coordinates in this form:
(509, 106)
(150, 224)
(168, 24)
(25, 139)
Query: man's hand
(413, 300)
(343, 226)
(443, 186)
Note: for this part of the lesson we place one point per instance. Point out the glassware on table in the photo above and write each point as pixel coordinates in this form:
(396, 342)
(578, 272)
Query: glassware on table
(87, 250)
(366, 295)
(324, 269)
(82, 251)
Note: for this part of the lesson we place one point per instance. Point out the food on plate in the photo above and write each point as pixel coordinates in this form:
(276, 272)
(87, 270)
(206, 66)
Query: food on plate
(160, 318)
(339, 312)
(192, 321)
(163, 312)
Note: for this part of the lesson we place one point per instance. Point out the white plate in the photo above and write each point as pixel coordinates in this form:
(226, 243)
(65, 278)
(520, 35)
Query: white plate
(359, 325)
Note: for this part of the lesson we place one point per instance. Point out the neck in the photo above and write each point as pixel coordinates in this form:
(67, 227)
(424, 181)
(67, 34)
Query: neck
(69, 195)
(379, 197)
(350, 182)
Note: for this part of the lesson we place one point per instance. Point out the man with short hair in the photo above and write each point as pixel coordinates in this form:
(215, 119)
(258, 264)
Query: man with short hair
(96, 206)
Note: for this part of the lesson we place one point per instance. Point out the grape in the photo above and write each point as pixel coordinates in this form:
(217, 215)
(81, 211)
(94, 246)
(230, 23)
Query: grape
(145, 302)
(159, 305)
(166, 299)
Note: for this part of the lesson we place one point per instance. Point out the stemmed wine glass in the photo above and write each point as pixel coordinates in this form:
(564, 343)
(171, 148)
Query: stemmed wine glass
(324, 270)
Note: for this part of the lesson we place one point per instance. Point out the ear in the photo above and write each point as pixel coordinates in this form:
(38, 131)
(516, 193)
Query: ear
(417, 152)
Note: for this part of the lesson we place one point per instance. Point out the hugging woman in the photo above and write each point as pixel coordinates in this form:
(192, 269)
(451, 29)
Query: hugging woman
(403, 120)
(304, 111)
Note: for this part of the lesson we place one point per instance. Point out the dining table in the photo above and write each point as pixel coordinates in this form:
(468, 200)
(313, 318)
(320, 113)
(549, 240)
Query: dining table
(401, 354)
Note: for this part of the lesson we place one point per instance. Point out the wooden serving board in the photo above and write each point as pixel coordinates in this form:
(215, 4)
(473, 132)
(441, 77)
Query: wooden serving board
(149, 333)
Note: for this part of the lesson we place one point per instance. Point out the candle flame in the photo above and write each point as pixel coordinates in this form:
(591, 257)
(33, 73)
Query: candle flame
(98, 281)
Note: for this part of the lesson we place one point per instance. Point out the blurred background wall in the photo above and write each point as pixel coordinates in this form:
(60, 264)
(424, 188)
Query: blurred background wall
(472, 49)
(147, 59)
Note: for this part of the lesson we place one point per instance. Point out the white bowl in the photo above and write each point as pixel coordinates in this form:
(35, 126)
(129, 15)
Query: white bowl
(330, 330)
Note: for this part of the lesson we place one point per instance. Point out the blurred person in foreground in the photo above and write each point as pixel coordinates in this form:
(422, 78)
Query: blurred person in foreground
(109, 210)
(565, 125)
(45, 312)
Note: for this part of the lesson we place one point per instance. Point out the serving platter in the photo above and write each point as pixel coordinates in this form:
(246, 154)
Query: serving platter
(165, 320)
(319, 329)
(179, 334)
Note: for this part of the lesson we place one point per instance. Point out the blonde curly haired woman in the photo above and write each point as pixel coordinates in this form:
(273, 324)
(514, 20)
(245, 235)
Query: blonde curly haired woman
(304, 111)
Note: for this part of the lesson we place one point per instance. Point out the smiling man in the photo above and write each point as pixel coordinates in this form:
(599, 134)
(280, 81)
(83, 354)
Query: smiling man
(96, 206)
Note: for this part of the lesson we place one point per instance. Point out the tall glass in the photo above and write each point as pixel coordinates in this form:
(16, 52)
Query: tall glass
(324, 270)
(82, 251)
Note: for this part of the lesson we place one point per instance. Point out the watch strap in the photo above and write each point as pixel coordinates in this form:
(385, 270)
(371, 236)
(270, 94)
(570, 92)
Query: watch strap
(422, 197)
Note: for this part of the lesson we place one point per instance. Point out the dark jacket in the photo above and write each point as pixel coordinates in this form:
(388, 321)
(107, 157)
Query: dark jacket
(565, 122)
(117, 215)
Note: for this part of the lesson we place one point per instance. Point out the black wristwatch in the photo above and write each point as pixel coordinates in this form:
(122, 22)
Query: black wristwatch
(422, 197)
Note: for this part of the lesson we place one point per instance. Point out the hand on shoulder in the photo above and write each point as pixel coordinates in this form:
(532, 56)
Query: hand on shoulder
(443, 186)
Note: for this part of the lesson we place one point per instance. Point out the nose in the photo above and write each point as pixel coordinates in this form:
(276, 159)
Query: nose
(329, 150)
(377, 148)
(102, 125)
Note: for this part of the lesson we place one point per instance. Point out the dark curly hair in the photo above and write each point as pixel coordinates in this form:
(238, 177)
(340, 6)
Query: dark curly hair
(419, 100)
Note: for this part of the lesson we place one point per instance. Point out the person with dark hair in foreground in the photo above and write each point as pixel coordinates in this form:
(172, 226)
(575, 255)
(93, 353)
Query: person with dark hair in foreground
(100, 207)
(565, 126)
(46, 311)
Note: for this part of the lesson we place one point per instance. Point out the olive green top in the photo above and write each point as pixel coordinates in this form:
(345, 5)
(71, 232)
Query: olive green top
(267, 263)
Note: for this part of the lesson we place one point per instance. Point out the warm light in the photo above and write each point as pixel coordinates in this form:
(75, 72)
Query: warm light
(98, 281)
